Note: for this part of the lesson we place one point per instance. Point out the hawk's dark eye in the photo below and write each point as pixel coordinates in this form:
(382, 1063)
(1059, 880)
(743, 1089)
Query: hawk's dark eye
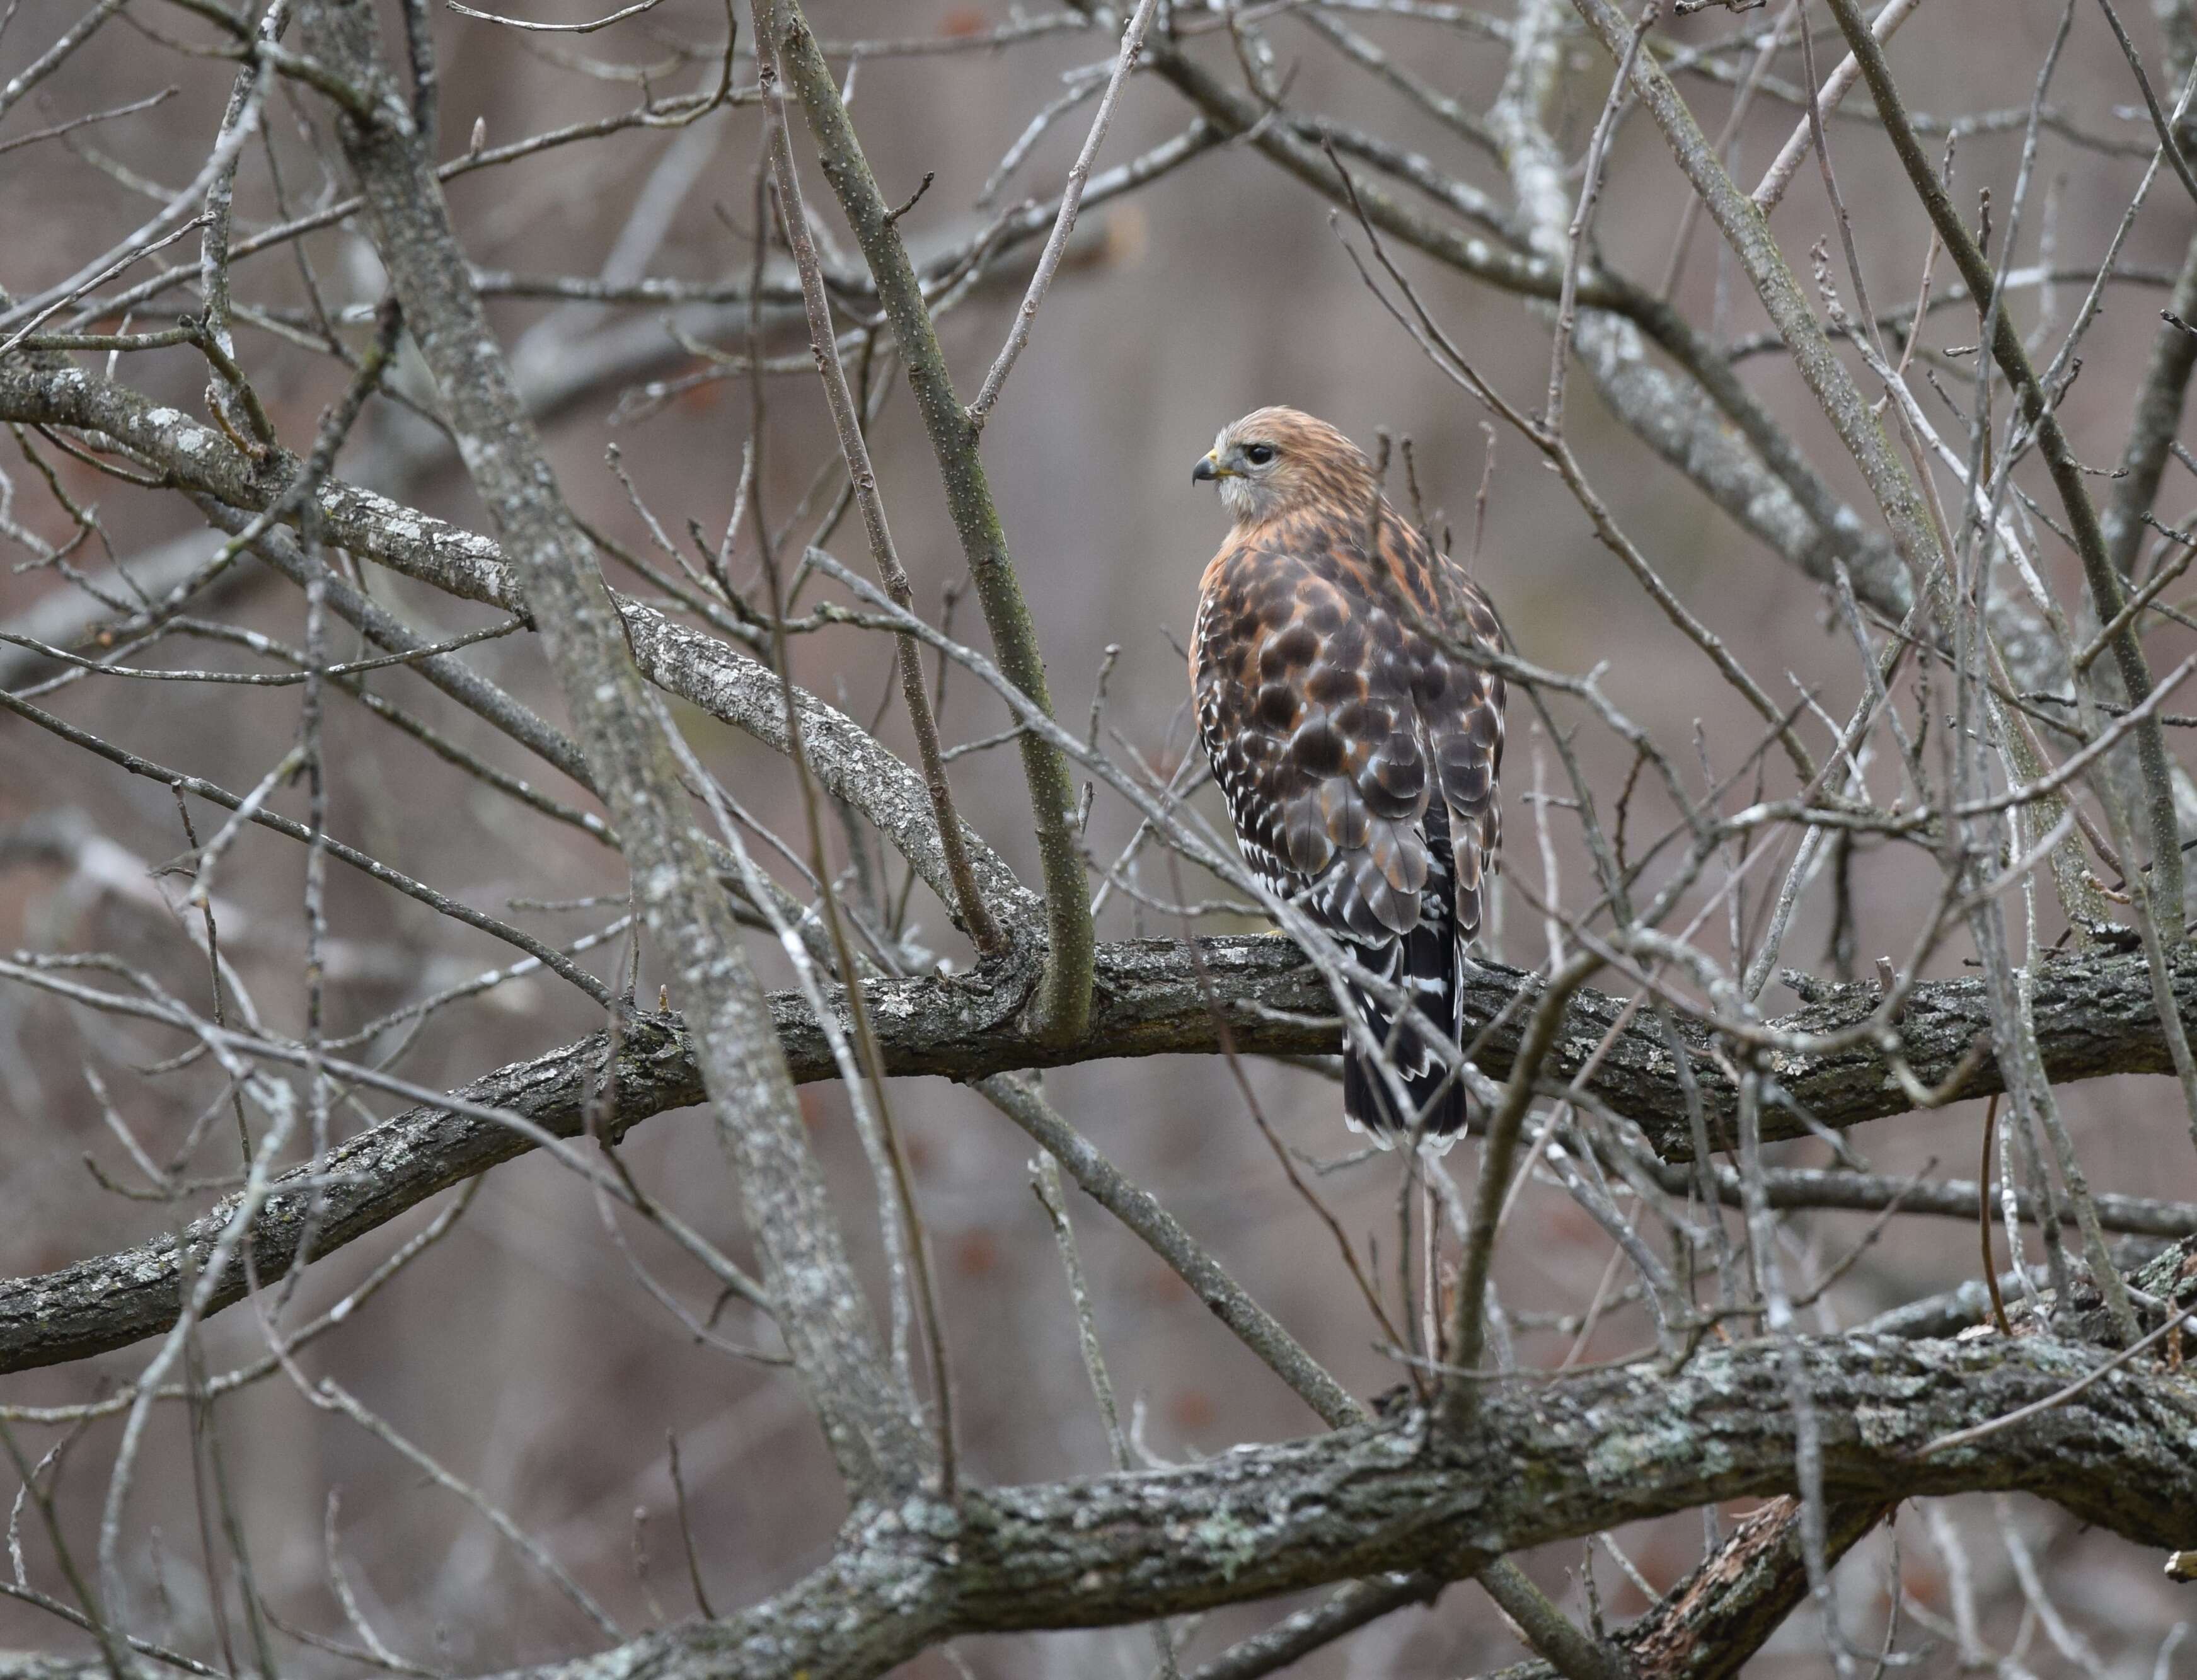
(1259, 454)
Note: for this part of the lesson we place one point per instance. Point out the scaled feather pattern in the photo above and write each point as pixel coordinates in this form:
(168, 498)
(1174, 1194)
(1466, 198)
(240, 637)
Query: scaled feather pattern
(1354, 736)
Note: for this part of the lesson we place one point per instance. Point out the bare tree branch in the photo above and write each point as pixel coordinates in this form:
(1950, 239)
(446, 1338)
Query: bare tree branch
(2104, 579)
(2093, 1018)
(823, 1314)
(954, 438)
(1536, 1464)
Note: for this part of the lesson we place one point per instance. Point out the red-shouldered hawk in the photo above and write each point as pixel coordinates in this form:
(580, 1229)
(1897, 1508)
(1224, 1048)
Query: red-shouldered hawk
(1357, 756)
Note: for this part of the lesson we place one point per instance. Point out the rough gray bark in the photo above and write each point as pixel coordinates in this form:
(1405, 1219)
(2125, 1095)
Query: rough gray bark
(2094, 1017)
(1382, 1505)
(1711, 1625)
(1535, 1464)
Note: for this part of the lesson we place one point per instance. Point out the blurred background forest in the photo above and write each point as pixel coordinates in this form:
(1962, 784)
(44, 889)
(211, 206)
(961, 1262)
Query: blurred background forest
(519, 1353)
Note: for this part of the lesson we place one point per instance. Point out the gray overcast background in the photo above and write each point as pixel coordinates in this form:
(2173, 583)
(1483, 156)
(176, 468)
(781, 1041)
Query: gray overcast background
(522, 1352)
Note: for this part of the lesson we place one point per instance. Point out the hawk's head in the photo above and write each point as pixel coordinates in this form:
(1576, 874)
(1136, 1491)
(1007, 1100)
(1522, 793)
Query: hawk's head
(1275, 462)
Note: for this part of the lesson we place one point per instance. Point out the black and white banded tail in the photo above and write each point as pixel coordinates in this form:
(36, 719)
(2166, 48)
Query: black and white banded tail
(1428, 965)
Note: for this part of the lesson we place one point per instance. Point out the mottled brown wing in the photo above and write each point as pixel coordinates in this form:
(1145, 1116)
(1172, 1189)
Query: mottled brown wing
(1461, 704)
(1307, 685)
(1357, 745)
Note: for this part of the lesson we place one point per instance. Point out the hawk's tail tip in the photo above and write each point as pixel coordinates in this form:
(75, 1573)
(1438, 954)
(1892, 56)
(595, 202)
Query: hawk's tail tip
(1370, 1108)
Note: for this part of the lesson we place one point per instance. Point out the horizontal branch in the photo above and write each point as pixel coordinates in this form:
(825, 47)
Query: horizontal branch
(2094, 1017)
(1948, 1198)
(1535, 1464)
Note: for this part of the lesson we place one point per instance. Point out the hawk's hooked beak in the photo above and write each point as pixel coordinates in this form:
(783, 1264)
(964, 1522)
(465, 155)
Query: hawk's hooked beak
(1208, 467)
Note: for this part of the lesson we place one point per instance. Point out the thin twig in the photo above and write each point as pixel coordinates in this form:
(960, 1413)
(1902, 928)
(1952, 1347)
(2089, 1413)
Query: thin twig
(1071, 199)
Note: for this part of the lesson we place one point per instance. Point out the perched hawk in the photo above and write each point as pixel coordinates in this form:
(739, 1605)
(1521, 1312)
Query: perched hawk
(1357, 754)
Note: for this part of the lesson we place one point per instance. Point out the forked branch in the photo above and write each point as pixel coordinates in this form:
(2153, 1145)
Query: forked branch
(783, 33)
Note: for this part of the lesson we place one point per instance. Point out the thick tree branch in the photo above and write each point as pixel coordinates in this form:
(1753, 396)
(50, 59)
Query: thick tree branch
(1536, 1463)
(2094, 1017)
(1408, 1494)
(1710, 1625)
